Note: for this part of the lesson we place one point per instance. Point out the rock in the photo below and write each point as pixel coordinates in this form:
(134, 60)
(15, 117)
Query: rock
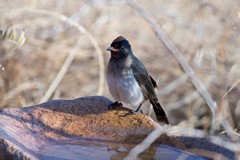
(84, 129)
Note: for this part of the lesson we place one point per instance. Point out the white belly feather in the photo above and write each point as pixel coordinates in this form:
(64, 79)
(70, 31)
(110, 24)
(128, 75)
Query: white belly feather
(124, 88)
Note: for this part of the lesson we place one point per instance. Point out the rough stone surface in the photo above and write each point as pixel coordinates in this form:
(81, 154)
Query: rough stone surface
(85, 128)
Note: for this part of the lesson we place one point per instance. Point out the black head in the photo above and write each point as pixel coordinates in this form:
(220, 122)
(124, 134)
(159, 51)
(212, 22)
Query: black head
(120, 47)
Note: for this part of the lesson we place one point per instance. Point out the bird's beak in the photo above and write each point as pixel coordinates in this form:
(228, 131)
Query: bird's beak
(112, 49)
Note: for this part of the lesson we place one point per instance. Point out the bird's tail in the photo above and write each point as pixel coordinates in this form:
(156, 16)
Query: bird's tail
(160, 114)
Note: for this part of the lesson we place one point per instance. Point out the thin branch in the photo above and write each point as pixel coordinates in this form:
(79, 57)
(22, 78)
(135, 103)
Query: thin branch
(61, 72)
(161, 35)
(189, 98)
(91, 38)
(178, 131)
(80, 28)
(132, 155)
(19, 88)
(235, 147)
(170, 87)
(230, 89)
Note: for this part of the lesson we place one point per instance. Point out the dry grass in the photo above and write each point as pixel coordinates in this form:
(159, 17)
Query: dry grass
(206, 33)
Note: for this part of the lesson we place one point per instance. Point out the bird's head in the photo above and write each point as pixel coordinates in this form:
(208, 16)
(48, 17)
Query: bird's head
(120, 47)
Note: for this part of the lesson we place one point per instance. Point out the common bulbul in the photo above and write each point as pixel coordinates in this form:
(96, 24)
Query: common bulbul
(128, 80)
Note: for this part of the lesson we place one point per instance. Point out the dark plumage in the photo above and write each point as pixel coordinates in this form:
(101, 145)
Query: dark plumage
(128, 79)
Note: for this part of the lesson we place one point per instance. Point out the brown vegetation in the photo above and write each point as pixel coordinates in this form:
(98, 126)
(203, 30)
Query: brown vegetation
(77, 33)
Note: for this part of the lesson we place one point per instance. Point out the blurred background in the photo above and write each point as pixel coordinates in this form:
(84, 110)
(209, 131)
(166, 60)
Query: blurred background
(64, 55)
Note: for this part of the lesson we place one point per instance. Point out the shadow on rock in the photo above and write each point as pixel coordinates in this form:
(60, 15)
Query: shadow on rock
(85, 128)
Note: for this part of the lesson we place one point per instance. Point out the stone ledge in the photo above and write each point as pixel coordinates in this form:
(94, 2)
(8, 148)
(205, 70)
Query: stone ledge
(85, 128)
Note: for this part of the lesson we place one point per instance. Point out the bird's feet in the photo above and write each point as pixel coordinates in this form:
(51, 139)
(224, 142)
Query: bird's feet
(114, 105)
(136, 111)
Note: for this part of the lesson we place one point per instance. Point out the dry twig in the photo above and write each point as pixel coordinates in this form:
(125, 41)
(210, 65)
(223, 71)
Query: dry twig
(61, 72)
(179, 131)
(179, 56)
(132, 155)
(79, 28)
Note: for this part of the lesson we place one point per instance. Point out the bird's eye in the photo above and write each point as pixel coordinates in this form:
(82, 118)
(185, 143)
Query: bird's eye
(121, 48)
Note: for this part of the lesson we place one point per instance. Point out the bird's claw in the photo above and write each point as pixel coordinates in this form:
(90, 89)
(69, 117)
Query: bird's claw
(114, 105)
(135, 112)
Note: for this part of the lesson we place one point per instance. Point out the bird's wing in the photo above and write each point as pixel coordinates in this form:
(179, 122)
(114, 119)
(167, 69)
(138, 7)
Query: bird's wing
(145, 81)
(147, 85)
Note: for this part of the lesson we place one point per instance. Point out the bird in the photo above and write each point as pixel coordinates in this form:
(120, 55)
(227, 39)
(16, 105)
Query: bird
(128, 80)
